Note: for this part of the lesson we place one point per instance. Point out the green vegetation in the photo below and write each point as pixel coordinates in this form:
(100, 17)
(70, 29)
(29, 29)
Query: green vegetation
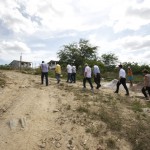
(2, 79)
(119, 117)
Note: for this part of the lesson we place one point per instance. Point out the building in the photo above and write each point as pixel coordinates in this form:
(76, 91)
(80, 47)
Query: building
(52, 64)
(15, 64)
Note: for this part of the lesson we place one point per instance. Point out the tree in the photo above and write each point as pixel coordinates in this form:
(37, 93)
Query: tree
(109, 59)
(78, 53)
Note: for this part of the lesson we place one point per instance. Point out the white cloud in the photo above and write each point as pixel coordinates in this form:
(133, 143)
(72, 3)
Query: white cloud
(38, 28)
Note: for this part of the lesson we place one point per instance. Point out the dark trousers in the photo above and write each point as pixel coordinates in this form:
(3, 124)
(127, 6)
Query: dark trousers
(44, 74)
(69, 78)
(58, 77)
(73, 77)
(90, 82)
(123, 82)
(97, 80)
(144, 91)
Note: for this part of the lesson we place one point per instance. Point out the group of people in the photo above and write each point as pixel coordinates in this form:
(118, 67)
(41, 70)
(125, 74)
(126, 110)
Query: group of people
(71, 77)
(122, 80)
(44, 72)
(88, 75)
(71, 73)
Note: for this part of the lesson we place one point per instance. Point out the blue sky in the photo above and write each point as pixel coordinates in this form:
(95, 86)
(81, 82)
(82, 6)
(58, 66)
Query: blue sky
(38, 29)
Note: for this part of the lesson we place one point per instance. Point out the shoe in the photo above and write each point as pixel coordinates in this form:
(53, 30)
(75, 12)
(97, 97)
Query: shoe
(92, 90)
(83, 89)
(115, 92)
(127, 94)
(147, 99)
(98, 86)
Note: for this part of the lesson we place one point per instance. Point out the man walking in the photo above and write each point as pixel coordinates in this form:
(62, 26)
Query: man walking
(58, 72)
(97, 76)
(130, 76)
(69, 72)
(73, 75)
(87, 76)
(44, 72)
(122, 80)
(146, 84)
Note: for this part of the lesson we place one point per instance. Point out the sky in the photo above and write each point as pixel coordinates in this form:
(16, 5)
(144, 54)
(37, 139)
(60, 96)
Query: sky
(36, 30)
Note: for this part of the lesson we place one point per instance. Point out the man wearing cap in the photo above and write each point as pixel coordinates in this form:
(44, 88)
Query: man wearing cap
(87, 76)
(122, 80)
(44, 72)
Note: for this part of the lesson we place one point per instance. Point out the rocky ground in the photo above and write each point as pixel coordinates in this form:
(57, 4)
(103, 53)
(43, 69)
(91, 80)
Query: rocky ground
(62, 117)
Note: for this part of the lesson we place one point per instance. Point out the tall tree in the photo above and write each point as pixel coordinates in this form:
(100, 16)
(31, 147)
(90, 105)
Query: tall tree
(78, 53)
(109, 59)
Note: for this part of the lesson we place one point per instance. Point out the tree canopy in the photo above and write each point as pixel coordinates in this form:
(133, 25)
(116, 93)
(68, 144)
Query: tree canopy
(78, 53)
(109, 59)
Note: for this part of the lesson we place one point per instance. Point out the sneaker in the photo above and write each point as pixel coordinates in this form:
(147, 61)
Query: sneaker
(127, 94)
(147, 99)
(83, 89)
(115, 92)
(92, 90)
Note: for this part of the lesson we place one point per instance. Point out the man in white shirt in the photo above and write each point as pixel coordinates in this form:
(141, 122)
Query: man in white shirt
(97, 76)
(44, 72)
(122, 80)
(73, 75)
(69, 71)
(87, 76)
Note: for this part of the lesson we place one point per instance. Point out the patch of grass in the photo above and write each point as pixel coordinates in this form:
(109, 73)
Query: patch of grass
(111, 143)
(68, 107)
(112, 119)
(2, 79)
(2, 82)
(139, 134)
(137, 106)
(82, 109)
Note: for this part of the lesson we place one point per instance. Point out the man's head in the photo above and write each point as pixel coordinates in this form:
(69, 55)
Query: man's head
(42, 61)
(85, 64)
(120, 66)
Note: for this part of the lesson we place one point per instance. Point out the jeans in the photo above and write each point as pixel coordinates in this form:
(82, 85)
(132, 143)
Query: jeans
(44, 74)
(69, 78)
(58, 77)
(73, 77)
(97, 80)
(90, 82)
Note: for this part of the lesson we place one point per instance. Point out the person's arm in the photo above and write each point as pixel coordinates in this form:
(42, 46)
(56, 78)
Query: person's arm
(85, 72)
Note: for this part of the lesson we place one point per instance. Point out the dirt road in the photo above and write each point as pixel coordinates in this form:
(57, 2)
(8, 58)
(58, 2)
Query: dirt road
(39, 117)
(33, 116)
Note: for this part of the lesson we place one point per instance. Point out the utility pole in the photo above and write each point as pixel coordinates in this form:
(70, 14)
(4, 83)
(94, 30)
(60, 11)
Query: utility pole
(20, 61)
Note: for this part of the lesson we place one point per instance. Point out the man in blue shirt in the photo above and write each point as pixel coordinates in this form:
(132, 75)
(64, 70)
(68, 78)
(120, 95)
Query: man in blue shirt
(44, 72)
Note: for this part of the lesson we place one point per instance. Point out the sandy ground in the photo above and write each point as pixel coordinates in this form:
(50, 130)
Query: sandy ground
(32, 116)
